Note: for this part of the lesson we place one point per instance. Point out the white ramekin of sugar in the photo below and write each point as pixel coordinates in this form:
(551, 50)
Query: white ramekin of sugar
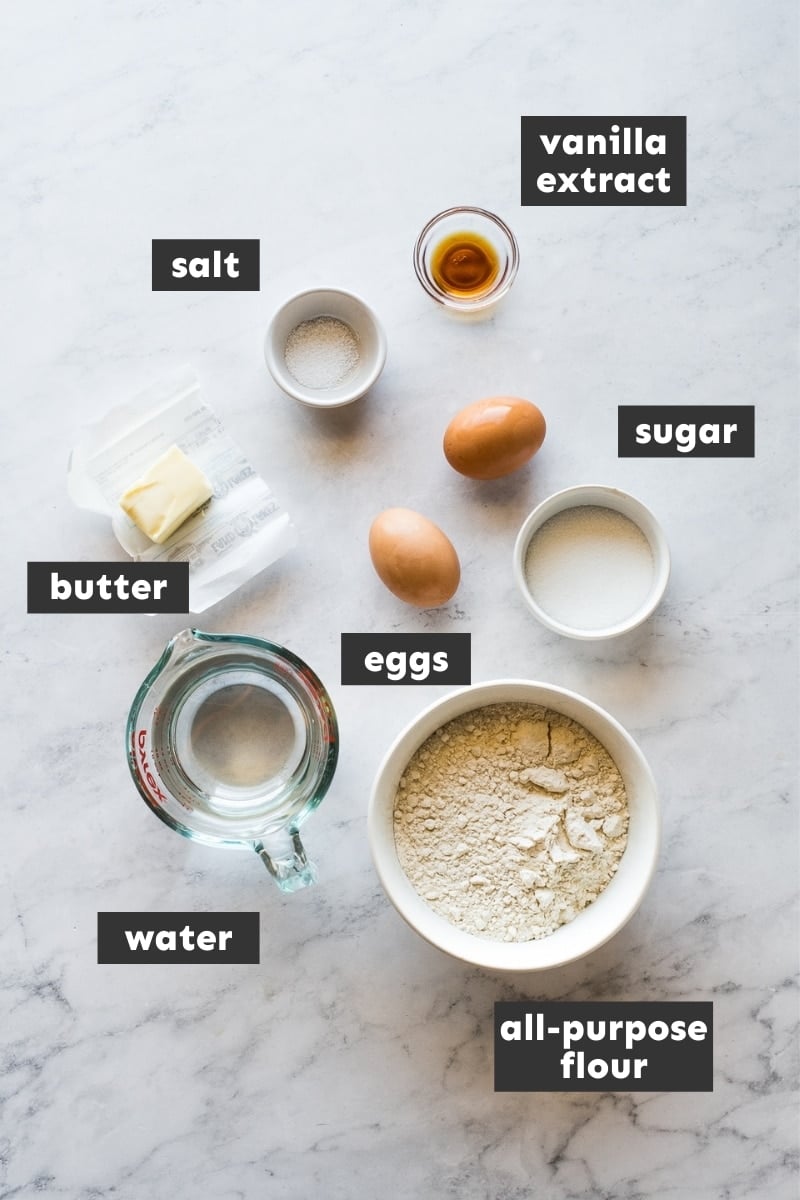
(596, 923)
(591, 562)
(325, 347)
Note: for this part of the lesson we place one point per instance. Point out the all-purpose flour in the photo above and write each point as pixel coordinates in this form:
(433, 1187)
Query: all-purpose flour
(509, 820)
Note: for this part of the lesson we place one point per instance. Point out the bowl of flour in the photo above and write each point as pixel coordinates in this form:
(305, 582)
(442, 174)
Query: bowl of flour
(515, 825)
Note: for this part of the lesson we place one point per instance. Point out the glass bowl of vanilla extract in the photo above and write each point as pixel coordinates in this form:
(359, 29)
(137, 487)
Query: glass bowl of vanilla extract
(466, 259)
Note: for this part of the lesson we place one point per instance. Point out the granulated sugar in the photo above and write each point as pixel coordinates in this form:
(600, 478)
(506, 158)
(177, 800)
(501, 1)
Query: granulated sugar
(509, 820)
(589, 567)
(322, 352)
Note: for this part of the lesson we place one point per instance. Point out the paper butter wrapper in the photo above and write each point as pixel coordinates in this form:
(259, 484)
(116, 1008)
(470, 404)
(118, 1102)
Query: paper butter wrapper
(241, 530)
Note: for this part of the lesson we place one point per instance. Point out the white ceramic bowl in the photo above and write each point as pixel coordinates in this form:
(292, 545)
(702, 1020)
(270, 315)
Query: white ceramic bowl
(598, 496)
(346, 307)
(596, 923)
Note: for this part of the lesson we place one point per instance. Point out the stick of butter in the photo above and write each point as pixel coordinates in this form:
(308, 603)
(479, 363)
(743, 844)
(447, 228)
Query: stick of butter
(166, 495)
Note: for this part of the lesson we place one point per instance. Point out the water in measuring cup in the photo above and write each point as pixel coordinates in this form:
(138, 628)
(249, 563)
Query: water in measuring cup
(237, 738)
(242, 736)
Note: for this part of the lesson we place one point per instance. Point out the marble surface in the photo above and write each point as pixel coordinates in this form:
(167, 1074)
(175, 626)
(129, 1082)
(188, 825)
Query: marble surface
(356, 1060)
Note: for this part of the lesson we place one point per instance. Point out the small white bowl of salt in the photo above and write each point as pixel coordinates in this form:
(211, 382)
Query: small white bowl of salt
(591, 562)
(325, 347)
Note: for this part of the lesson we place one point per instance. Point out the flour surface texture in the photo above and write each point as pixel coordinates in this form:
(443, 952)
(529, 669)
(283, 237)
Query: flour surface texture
(509, 820)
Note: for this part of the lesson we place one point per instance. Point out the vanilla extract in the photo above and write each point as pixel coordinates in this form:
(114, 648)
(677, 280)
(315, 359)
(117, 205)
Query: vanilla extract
(465, 264)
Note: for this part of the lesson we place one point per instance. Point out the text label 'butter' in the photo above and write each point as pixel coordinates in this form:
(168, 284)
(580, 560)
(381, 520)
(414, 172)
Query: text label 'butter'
(108, 587)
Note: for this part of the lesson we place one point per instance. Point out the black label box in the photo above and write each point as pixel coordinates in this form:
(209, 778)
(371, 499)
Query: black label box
(206, 265)
(403, 658)
(127, 937)
(582, 161)
(94, 587)
(603, 1046)
(686, 431)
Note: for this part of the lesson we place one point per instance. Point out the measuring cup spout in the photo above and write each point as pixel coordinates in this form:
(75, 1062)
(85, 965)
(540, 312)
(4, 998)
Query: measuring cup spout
(182, 645)
(285, 858)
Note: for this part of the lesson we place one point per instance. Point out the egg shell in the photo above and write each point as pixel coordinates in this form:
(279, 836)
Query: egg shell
(413, 558)
(493, 437)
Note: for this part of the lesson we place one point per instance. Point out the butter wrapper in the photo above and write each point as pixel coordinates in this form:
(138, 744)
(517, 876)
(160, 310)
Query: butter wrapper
(241, 530)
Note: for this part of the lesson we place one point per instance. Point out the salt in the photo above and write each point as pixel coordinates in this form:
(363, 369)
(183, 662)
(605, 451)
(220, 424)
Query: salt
(589, 568)
(321, 353)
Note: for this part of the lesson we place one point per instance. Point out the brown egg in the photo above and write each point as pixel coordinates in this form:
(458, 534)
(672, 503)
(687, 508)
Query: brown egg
(493, 437)
(413, 558)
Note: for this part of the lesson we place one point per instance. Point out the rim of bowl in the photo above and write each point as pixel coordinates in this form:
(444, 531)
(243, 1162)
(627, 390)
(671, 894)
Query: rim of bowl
(486, 299)
(443, 934)
(312, 397)
(592, 495)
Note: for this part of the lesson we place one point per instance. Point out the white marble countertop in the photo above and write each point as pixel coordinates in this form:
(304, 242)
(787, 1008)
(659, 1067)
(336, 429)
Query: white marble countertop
(356, 1060)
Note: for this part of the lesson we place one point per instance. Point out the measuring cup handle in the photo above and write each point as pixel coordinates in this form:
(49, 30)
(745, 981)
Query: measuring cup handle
(285, 858)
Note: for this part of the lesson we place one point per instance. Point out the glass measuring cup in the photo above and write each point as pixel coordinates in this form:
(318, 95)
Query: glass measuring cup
(233, 741)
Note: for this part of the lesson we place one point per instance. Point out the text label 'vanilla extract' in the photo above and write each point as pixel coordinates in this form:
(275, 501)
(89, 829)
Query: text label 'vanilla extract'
(604, 160)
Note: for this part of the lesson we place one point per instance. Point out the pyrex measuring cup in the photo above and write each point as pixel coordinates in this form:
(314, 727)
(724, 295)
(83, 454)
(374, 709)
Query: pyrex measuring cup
(233, 741)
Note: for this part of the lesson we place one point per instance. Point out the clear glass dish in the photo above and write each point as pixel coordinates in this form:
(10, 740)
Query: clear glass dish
(233, 741)
(489, 229)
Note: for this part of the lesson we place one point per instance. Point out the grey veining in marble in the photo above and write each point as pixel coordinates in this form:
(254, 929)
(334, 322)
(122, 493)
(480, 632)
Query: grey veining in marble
(356, 1060)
